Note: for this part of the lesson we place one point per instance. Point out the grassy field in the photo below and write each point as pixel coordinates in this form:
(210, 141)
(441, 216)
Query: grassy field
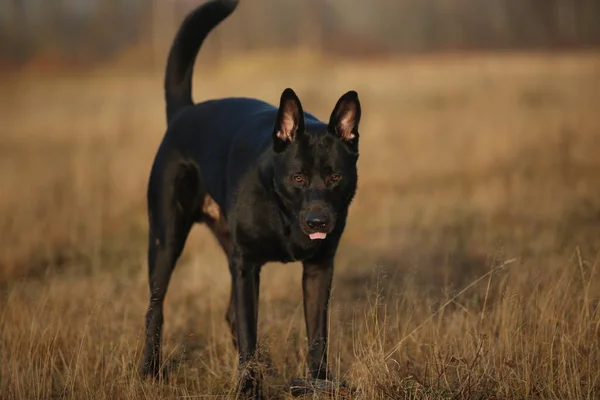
(469, 268)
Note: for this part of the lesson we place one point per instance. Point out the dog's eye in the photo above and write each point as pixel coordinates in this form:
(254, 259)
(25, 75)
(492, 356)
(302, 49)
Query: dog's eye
(298, 178)
(335, 177)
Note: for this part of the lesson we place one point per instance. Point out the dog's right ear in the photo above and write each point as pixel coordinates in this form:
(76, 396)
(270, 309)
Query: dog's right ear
(289, 122)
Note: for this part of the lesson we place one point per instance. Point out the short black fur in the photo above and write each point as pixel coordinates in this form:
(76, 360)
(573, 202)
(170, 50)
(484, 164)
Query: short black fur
(272, 184)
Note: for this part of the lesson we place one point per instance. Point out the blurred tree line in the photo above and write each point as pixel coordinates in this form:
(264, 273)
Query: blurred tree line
(97, 30)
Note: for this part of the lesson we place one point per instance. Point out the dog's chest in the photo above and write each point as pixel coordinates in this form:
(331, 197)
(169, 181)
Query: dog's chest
(285, 248)
(297, 247)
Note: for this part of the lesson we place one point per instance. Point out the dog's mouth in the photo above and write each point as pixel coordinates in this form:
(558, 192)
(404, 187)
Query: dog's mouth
(317, 235)
(316, 225)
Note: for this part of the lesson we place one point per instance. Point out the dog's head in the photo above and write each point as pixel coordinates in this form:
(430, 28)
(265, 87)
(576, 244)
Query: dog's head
(315, 165)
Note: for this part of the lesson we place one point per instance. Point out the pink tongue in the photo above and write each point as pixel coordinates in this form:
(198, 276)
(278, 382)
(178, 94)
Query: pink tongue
(317, 235)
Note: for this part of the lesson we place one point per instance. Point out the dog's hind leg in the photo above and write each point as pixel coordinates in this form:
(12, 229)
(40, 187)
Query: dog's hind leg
(170, 212)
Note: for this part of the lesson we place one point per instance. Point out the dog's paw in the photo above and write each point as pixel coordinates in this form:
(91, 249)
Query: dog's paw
(250, 383)
(150, 369)
(309, 386)
(250, 390)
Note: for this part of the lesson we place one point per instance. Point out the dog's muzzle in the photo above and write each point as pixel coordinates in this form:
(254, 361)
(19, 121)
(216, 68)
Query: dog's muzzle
(316, 223)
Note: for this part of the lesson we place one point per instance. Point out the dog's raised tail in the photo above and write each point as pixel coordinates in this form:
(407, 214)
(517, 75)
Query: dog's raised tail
(182, 56)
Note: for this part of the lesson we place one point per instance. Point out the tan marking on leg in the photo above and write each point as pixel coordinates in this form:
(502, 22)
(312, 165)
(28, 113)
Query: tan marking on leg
(211, 208)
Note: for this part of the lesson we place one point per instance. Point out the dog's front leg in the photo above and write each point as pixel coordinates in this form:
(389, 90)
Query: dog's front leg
(245, 275)
(316, 288)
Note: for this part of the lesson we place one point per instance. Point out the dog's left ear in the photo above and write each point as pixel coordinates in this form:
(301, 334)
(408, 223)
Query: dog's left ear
(345, 118)
(289, 122)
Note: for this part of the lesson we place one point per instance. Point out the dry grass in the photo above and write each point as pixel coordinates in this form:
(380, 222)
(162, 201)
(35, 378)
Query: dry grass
(484, 167)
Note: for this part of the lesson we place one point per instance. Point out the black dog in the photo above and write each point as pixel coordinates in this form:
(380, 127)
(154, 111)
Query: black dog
(273, 184)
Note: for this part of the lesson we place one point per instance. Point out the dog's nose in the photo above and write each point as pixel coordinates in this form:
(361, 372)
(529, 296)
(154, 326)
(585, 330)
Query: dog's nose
(316, 220)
